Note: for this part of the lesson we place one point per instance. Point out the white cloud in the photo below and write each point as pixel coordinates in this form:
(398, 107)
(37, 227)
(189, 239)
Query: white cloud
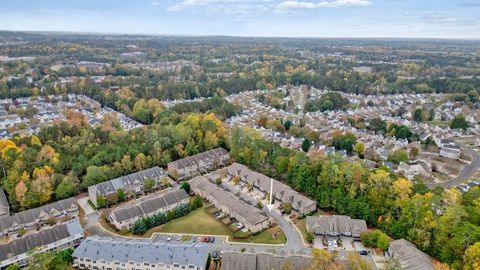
(292, 5)
(223, 6)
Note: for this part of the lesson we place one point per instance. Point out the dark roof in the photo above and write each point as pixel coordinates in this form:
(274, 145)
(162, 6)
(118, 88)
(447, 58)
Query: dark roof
(31, 215)
(147, 207)
(247, 261)
(42, 238)
(195, 159)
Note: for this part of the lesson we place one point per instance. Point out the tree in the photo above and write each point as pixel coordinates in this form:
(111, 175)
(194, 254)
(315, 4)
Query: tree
(376, 239)
(149, 184)
(398, 156)
(322, 260)
(121, 195)
(101, 201)
(197, 202)
(392, 263)
(185, 186)
(287, 208)
(360, 148)
(306, 145)
(472, 257)
(356, 262)
(414, 152)
(13, 267)
(459, 122)
(139, 227)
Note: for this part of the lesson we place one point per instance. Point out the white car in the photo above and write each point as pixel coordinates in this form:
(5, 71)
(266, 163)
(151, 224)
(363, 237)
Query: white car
(169, 238)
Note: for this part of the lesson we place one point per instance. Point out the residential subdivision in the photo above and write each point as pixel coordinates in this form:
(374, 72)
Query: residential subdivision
(198, 164)
(58, 237)
(125, 216)
(131, 184)
(107, 253)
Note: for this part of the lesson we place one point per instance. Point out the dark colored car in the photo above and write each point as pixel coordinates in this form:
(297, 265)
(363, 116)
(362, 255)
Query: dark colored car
(363, 252)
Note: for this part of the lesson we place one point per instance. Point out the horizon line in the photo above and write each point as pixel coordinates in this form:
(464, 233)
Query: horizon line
(236, 36)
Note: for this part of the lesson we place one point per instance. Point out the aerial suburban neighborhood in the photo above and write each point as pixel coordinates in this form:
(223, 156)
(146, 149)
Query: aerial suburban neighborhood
(239, 135)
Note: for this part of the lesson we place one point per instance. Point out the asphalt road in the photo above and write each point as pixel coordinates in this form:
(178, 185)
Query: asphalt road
(464, 174)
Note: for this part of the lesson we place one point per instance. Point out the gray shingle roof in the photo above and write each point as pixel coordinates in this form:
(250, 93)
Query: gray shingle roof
(128, 181)
(246, 261)
(42, 238)
(195, 159)
(409, 256)
(108, 249)
(31, 215)
(148, 207)
(250, 213)
(281, 192)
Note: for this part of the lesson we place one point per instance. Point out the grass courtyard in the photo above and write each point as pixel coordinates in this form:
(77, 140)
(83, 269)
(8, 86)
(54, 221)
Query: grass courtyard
(200, 222)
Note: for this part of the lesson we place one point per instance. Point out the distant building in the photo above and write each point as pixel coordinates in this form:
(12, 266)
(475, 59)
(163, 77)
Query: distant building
(125, 217)
(409, 256)
(133, 55)
(35, 218)
(4, 205)
(106, 253)
(450, 151)
(197, 164)
(253, 218)
(336, 226)
(249, 261)
(58, 237)
(129, 183)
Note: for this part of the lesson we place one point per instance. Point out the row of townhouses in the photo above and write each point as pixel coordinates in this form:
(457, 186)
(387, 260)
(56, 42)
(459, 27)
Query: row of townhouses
(58, 237)
(106, 253)
(251, 261)
(336, 226)
(254, 219)
(132, 183)
(281, 192)
(125, 217)
(197, 164)
(36, 218)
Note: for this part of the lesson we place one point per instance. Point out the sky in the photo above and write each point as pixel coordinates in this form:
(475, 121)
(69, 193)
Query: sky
(265, 18)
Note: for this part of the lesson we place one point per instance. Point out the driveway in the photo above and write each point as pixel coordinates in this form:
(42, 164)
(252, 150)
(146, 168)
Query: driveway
(87, 208)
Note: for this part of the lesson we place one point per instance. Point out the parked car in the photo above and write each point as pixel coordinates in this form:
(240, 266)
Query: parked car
(363, 252)
(179, 237)
(194, 239)
(212, 239)
(169, 238)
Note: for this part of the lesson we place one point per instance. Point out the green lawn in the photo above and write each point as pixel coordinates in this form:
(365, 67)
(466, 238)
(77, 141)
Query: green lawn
(200, 221)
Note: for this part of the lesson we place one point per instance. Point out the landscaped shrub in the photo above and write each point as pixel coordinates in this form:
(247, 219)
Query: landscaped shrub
(144, 224)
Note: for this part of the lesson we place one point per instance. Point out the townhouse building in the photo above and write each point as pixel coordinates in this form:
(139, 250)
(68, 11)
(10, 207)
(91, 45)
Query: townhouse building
(197, 164)
(119, 254)
(254, 219)
(409, 256)
(281, 192)
(58, 237)
(132, 183)
(124, 217)
(336, 226)
(36, 218)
